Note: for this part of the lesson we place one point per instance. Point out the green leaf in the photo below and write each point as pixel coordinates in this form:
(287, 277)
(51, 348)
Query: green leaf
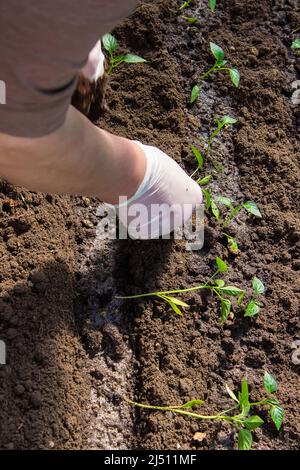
(204, 180)
(224, 200)
(270, 383)
(251, 207)
(208, 198)
(225, 309)
(219, 282)
(198, 156)
(215, 210)
(175, 308)
(231, 290)
(212, 5)
(253, 422)
(257, 286)
(110, 43)
(296, 44)
(185, 5)
(194, 94)
(252, 309)
(231, 394)
(133, 59)
(221, 265)
(244, 398)
(217, 52)
(234, 76)
(190, 19)
(233, 245)
(228, 120)
(176, 301)
(277, 415)
(190, 404)
(244, 439)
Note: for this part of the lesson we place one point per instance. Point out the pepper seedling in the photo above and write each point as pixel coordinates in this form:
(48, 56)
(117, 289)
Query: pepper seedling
(219, 65)
(185, 5)
(238, 415)
(214, 285)
(224, 122)
(111, 44)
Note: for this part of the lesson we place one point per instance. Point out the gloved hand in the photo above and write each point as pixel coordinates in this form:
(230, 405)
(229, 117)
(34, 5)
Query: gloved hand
(164, 201)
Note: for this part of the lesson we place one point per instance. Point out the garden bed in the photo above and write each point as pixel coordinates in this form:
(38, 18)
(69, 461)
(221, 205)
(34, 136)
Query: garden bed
(74, 351)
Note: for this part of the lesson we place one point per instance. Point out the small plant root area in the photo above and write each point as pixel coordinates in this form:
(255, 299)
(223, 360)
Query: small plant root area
(75, 353)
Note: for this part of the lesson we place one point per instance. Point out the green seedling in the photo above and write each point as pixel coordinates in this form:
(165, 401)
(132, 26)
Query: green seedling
(190, 19)
(296, 45)
(212, 5)
(223, 123)
(194, 93)
(220, 64)
(185, 5)
(111, 45)
(249, 206)
(214, 284)
(240, 415)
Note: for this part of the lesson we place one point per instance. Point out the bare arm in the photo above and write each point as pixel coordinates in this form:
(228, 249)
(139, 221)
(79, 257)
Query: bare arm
(77, 159)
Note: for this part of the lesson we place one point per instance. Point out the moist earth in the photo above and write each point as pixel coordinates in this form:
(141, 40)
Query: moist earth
(74, 352)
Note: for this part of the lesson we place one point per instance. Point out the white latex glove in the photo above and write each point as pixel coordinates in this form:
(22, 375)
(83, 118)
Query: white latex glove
(167, 185)
(95, 66)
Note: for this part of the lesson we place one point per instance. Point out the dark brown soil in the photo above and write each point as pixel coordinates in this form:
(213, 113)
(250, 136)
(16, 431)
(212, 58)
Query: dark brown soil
(48, 304)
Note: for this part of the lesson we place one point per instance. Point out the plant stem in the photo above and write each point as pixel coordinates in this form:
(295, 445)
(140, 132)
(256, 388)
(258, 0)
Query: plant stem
(206, 74)
(233, 213)
(167, 292)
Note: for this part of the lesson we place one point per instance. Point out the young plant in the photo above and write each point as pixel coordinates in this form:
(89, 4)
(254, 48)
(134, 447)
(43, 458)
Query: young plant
(111, 45)
(296, 45)
(185, 5)
(212, 205)
(239, 415)
(212, 5)
(223, 123)
(214, 284)
(219, 66)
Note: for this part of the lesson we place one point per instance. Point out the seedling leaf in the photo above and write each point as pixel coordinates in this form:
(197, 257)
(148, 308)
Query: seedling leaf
(190, 404)
(208, 199)
(231, 290)
(252, 309)
(270, 383)
(225, 309)
(190, 19)
(198, 156)
(234, 76)
(133, 59)
(212, 5)
(257, 286)
(204, 180)
(221, 265)
(224, 200)
(296, 44)
(231, 394)
(194, 94)
(215, 210)
(251, 207)
(176, 301)
(219, 282)
(227, 120)
(217, 52)
(253, 422)
(244, 439)
(110, 43)
(277, 415)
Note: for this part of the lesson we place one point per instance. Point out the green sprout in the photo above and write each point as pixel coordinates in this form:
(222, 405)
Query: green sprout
(212, 205)
(185, 5)
(296, 45)
(190, 19)
(111, 44)
(223, 123)
(212, 5)
(238, 415)
(218, 66)
(215, 285)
